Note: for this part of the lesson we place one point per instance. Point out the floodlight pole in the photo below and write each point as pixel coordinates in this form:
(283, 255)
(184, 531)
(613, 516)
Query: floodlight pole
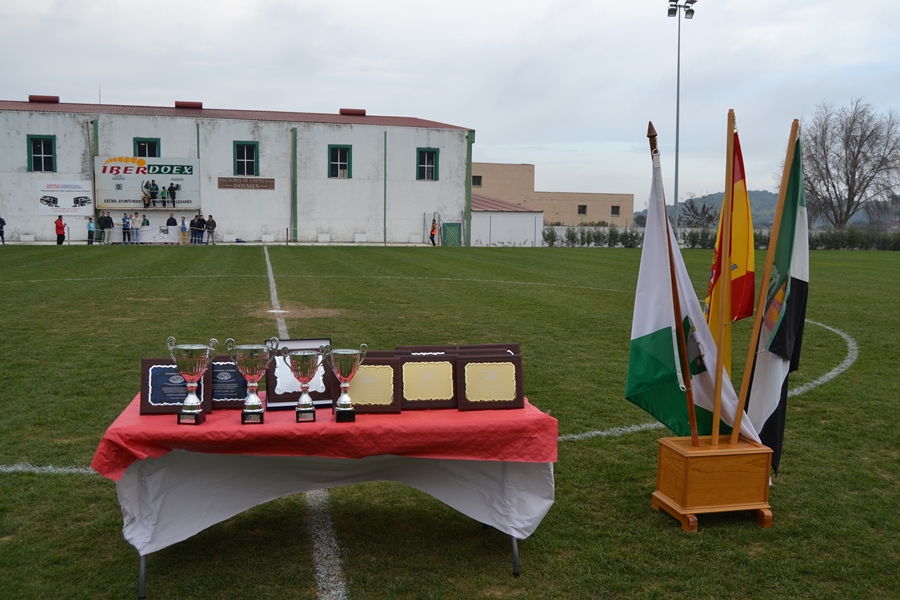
(675, 11)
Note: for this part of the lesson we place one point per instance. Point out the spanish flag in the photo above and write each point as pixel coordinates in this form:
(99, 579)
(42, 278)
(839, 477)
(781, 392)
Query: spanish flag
(740, 263)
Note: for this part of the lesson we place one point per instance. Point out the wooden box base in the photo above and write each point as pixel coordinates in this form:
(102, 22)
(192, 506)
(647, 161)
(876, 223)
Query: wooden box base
(707, 479)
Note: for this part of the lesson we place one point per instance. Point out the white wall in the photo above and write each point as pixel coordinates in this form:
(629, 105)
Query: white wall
(507, 228)
(342, 208)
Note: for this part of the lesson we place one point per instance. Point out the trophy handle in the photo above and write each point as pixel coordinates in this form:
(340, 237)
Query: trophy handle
(326, 355)
(283, 352)
(170, 344)
(229, 346)
(362, 352)
(214, 345)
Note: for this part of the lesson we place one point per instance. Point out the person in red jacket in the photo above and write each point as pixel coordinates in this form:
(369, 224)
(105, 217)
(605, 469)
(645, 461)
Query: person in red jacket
(433, 231)
(60, 231)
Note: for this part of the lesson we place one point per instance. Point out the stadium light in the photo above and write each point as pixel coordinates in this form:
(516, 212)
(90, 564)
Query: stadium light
(675, 11)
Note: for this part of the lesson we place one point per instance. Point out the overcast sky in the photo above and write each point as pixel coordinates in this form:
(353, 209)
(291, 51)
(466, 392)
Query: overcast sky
(568, 86)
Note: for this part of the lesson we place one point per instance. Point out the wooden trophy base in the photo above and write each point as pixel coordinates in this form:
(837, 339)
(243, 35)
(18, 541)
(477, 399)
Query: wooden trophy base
(344, 415)
(306, 415)
(253, 418)
(191, 418)
(708, 479)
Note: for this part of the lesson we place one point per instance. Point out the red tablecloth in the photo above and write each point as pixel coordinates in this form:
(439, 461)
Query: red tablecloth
(525, 435)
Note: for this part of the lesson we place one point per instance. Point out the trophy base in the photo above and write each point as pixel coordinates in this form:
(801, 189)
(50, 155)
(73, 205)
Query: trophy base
(306, 415)
(252, 418)
(191, 418)
(344, 415)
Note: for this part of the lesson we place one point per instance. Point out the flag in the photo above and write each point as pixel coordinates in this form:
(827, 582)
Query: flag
(655, 381)
(741, 263)
(781, 333)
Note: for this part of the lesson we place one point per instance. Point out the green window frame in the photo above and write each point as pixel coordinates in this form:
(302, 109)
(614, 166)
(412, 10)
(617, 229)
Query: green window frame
(340, 161)
(246, 158)
(147, 147)
(41, 153)
(427, 164)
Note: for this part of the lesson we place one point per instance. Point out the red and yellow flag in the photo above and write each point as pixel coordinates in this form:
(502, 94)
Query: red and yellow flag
(741, 263)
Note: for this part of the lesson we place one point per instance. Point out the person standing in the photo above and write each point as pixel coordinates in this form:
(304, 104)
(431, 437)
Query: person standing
(110, 225)
(154, 191)
(211, 230)
(91, 228)
(136, 229)
(145, 222)
(433, 231)
(172, 190)
(126, 229)
(171, 223)
(184, 232)
(2, 225)
(101, 224)
(201, 227)
(163, 193)
(60, 231)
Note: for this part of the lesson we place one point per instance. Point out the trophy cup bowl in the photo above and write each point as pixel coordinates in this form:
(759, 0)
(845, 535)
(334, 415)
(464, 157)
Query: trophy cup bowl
(303, 364)
(191, 360)
(251, 361)
(344, 363)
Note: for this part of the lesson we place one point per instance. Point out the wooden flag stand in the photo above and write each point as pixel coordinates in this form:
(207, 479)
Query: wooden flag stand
(728, 473)
(692, 480)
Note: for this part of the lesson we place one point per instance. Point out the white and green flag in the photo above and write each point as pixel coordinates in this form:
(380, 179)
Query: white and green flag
(655, 381)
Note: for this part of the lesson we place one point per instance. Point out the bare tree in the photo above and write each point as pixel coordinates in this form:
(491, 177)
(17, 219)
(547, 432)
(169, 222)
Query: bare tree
(851, 161)
(695, 213)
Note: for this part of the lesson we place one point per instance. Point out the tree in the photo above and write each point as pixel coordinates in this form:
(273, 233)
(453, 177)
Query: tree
(695, 213)
(640, 221)
(851, 161)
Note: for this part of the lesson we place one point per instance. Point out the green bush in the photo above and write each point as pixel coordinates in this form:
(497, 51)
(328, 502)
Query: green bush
(571, 236)
(613, 236)
(549, 234)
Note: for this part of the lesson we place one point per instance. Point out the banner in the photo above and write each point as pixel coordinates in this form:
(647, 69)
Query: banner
(65, 198)
(130, 182)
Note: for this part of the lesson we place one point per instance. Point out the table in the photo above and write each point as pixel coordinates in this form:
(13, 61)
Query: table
(173, 481)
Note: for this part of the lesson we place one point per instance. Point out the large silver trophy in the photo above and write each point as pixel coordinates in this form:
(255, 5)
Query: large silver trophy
(251, 361)
(191, 360)
(304, 365)
(344, 363)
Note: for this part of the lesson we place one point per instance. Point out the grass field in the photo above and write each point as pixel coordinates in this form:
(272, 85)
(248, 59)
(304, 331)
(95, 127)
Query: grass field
(77, 320)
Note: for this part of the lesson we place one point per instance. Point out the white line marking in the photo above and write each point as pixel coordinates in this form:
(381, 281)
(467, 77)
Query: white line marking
(614, 432)
(852, 355)
(25, 467)
(129, 277)
(326, 553)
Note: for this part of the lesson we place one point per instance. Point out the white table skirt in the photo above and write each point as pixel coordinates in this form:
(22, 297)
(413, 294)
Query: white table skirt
(167, 500)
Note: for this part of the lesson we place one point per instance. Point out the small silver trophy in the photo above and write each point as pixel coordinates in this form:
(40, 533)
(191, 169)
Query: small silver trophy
(344, 363)
(251, 361)
(191, 360)
(304, 365)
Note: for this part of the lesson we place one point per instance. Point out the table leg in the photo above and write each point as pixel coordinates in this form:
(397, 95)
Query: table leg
(515, 545)
(142, 578)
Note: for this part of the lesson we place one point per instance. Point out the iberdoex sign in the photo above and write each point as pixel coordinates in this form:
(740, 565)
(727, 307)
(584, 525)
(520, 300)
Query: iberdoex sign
(147, 183)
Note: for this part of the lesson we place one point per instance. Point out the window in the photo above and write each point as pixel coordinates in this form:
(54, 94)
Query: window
(427, 163)
(42, 153)
(246, 158)
(615, 211)
(476, 180)
(146, 147)
(582, 209)
(339, 162)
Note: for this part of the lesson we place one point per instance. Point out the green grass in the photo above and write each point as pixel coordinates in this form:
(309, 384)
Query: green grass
(77, 320)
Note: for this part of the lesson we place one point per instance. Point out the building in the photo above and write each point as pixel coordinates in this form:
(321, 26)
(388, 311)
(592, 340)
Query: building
(515, 183)
(264, 175)
(497, 222)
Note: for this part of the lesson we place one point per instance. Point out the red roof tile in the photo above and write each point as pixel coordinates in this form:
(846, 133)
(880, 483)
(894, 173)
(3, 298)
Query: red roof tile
(487, 203)
(224, 113)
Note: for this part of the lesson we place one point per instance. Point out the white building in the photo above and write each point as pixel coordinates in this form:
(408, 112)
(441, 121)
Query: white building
(496, 222)
(347, 177)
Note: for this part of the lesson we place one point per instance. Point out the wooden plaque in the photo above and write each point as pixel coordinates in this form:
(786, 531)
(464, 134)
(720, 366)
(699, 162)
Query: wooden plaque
(490, 381)
(376, 386)
(283, 389)
(163, 389)
(510, 348)
(428, 381)
(228, 387)
(419, 349)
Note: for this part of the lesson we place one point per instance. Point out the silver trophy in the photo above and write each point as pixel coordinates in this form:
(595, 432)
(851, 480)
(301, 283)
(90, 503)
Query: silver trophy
(344, 363)
(304, 365)
(191, 360)
(251, 361)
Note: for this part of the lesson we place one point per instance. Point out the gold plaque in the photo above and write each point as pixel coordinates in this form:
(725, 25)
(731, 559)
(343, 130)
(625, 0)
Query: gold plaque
(432, 380)
(373, 385)
(487, 382)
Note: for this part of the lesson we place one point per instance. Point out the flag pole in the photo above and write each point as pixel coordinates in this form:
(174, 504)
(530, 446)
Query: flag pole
(679, 328)
(723, 307)
(763, 288)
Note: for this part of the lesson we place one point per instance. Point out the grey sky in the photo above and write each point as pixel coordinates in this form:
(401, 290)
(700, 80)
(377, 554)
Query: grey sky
(567, 85)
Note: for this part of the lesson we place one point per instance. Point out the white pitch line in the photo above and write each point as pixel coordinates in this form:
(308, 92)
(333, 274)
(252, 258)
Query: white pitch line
(852, 355)
(129, 277)
(25, 467)
(326, 552)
